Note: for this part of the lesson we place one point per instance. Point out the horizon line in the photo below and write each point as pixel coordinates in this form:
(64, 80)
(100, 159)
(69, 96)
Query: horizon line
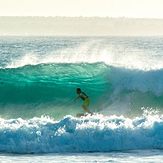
(102, 17)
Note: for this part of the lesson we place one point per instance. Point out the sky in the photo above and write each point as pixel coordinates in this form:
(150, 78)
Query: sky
(85, 8)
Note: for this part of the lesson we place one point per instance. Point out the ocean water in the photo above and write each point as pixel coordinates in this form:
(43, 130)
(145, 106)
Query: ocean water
(123, 76)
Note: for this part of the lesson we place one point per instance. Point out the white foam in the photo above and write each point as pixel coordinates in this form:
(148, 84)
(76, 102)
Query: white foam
(97, 133)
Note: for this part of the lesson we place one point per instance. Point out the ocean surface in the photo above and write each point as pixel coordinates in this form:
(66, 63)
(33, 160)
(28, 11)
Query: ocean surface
(123, 77)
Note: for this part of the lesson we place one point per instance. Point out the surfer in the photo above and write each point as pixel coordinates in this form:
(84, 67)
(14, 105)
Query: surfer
(85, 98)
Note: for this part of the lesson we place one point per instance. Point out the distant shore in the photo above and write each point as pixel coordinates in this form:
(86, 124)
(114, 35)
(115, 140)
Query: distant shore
(80, 26)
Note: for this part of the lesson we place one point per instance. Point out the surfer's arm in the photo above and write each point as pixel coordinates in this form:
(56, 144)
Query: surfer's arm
(76, 98)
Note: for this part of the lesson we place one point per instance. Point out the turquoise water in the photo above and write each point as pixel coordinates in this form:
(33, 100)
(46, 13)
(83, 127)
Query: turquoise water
(123, 76)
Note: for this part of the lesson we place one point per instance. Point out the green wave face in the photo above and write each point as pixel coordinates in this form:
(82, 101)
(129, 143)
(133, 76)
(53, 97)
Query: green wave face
(50, 89)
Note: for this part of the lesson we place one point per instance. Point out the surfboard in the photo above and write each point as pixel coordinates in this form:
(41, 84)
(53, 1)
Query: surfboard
(83, 114)
(80, 115)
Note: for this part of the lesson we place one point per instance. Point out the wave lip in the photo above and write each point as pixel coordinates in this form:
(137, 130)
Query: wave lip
(95, 133)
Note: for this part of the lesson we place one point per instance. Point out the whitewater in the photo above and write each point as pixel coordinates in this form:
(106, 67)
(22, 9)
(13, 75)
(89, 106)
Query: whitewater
(123, 77)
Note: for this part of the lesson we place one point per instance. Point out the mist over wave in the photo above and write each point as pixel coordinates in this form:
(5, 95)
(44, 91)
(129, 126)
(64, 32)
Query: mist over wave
(133, 53)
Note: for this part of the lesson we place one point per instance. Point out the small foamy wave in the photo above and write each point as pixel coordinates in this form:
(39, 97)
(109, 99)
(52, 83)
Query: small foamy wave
(95, 133)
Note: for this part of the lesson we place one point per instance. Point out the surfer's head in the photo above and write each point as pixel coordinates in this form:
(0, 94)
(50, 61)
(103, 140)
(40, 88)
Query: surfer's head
(78, 90)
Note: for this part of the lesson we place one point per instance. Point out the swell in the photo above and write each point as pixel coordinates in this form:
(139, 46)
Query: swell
(34, 90)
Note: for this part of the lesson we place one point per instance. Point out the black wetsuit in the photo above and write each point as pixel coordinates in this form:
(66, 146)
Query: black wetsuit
(83, 96)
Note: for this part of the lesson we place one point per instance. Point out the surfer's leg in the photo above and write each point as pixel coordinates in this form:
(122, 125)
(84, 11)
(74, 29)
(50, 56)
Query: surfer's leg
(85, 106)
(86, 109)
